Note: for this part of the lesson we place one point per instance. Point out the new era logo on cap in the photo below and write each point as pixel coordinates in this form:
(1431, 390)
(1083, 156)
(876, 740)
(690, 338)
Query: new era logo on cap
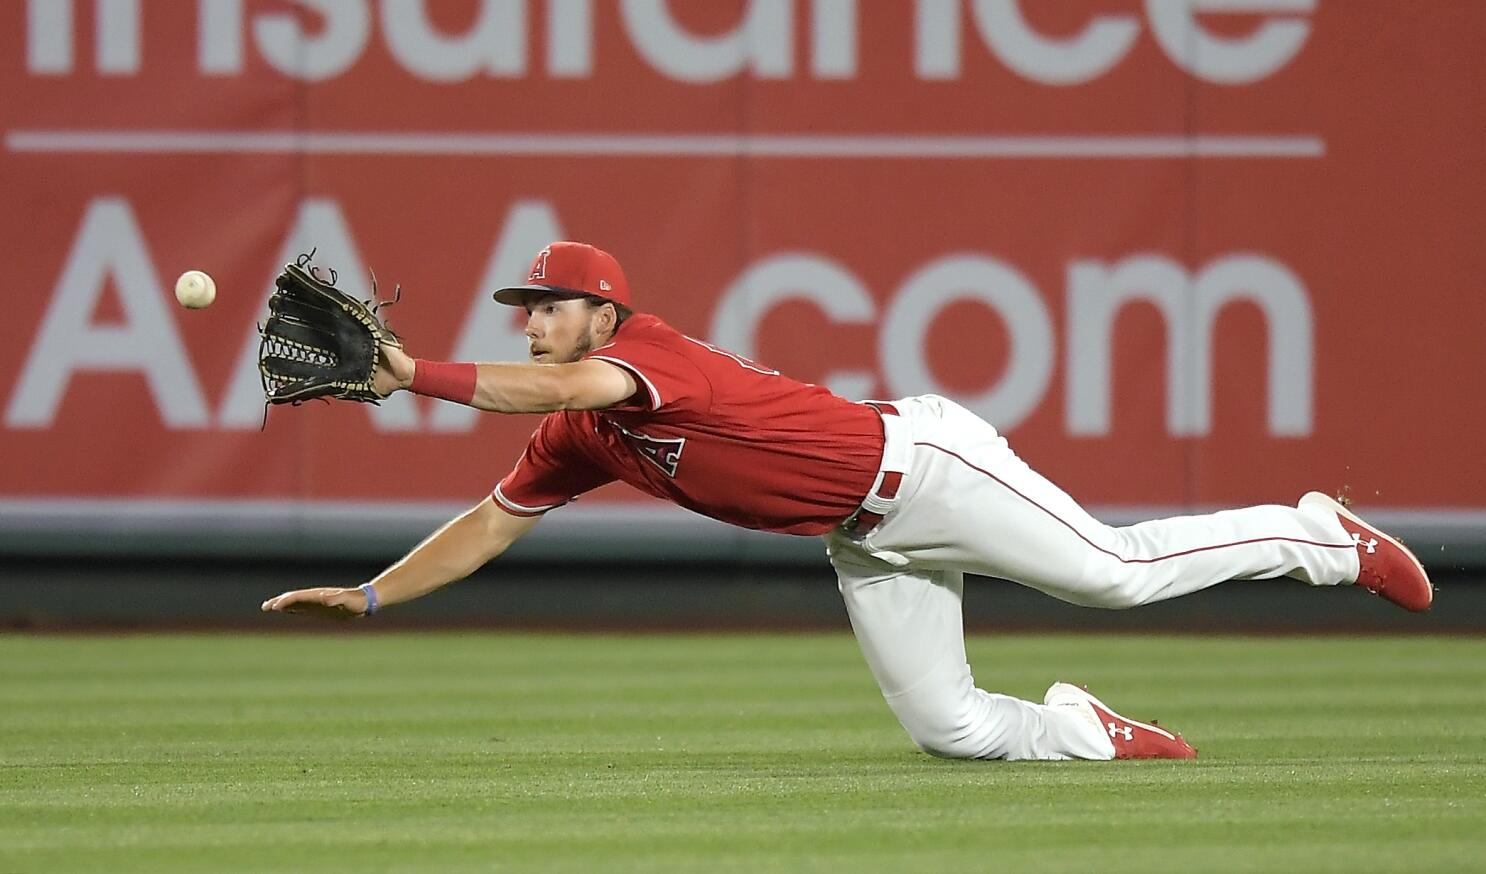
(571, 268)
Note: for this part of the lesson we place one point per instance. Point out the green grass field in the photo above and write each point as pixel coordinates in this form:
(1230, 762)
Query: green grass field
(448, 752)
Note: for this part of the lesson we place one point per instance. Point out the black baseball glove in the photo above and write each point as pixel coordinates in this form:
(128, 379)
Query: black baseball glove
(318, 341)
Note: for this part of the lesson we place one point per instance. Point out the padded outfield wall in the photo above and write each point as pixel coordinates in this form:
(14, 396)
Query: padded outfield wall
(1186, 254)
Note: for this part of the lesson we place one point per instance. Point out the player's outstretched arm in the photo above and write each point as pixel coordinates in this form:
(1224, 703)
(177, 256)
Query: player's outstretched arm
(589, 384)
(451, 553)
(544, 388)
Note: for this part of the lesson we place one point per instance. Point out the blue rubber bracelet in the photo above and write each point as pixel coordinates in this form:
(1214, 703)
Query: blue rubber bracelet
(371, 597)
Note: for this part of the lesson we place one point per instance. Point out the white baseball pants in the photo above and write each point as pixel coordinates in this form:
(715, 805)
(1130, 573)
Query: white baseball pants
(968, 504)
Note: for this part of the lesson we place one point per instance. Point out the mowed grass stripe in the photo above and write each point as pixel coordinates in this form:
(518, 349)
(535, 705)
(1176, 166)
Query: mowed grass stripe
(447, 752)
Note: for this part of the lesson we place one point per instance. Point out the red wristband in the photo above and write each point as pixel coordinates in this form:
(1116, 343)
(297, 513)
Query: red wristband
(444, 379)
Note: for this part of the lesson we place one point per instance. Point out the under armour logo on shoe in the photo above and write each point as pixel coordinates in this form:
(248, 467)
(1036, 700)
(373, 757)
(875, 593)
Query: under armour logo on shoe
(1117, 730)
(1371, 543)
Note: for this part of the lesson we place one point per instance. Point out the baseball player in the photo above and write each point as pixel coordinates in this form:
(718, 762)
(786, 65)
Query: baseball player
(908, 495)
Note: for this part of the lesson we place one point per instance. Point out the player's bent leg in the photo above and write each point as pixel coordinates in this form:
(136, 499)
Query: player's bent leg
(952, 719)
(910, 628)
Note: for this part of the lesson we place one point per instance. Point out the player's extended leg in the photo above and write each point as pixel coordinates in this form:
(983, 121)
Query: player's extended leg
(1044, 539)
(973, 504)
(910, 628)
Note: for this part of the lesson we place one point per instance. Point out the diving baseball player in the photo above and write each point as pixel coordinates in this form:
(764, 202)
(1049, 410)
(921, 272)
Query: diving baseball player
(909, 495)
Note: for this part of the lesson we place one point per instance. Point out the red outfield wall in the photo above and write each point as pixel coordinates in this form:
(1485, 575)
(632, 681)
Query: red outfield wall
(1185, 258)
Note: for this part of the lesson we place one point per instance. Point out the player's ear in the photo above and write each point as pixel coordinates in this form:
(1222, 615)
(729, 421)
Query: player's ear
(608, 318)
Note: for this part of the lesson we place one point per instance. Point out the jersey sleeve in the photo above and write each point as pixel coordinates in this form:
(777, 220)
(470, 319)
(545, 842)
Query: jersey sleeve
(552, 471)
(667, 379)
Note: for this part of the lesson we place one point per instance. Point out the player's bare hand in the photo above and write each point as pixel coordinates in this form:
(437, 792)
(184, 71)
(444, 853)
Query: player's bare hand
(394, 370)
(323, 603)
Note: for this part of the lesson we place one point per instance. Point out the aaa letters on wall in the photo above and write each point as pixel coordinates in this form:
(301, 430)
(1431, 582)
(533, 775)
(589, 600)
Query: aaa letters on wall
(1182, 258)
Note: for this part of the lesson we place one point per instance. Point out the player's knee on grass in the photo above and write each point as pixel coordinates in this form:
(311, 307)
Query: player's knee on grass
(945, 748)
(949, 730)
(944, 744)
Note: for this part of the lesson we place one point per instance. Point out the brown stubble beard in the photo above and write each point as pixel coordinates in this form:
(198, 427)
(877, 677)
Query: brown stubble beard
(583, 346)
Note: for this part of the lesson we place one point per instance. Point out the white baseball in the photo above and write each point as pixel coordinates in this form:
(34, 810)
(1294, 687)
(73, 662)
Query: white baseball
(195, 290)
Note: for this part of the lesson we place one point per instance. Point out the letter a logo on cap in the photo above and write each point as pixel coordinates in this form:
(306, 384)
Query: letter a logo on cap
(539, 266)
(570, 269)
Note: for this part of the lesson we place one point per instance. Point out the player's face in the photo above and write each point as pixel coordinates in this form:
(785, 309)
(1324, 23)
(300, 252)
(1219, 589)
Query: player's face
(558, 331)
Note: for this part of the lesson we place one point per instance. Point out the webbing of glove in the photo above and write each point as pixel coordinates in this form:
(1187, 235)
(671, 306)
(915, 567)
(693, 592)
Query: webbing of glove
(318, 341)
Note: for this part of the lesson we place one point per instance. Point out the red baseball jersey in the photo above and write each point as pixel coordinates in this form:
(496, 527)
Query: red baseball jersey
(710, 431)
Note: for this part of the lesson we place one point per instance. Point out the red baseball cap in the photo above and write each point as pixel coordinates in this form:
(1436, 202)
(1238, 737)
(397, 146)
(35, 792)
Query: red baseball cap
(571, 268)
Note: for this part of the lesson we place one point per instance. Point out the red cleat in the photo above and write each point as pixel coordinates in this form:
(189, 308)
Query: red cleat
(1131, 739)
(1387, 566)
